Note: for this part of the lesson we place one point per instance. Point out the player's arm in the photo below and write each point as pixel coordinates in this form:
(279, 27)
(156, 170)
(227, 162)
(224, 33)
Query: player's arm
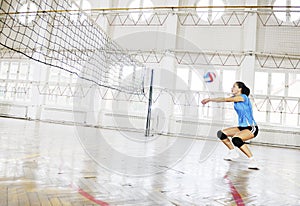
(223, 99)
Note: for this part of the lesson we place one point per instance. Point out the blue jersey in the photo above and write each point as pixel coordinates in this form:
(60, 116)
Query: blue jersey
(244, 111)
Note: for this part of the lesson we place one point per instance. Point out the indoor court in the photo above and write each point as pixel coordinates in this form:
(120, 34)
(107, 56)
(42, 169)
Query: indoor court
(118, 103)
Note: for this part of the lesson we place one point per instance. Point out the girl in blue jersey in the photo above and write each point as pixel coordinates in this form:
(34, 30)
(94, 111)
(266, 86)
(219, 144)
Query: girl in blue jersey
(247, 127)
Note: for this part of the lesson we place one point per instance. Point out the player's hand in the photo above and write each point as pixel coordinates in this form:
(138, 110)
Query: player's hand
(204, 101)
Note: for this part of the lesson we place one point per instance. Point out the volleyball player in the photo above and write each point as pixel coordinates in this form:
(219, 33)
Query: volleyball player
(247, 127)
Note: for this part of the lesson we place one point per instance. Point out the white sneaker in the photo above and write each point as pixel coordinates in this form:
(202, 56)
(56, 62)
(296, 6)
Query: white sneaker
(253, 164)
(232, 154)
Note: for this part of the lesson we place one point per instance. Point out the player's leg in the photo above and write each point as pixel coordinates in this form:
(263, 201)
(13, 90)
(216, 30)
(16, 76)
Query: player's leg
(223, 136)
(225, 133)
(239, 141)
(245, 134)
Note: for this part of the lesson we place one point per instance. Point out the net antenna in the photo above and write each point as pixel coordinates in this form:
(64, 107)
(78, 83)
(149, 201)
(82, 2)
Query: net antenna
(58, 33)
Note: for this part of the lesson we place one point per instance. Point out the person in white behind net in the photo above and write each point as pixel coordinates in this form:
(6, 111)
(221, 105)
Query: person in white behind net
(247, 127)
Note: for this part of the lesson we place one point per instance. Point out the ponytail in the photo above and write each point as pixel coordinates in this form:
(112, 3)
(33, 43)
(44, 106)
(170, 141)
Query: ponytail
(245, 89)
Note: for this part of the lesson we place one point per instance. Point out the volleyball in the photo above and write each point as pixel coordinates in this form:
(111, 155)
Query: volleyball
(209, 77)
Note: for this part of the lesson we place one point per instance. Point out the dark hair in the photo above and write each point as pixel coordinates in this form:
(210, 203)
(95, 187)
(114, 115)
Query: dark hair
(245, 89)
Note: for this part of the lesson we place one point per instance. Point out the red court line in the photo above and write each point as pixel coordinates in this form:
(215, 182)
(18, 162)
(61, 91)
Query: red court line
(235, 194)
(89, 196)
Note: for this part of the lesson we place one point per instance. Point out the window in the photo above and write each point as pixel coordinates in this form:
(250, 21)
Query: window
(294, 85)
(13, 86)
(196, 81)
(228, 80)
(287, 14)
(127, 72)
(27, 12)
(54, 75)
(210, 14)
(275, 115)
(24, 71)
(274, 107)
(291, 116)
(259, 109)
(76, 14)
(277, 84)
(59, 87)
(13, 71)
(182, 80)
(136, 15)
(261, 83)
(4, 67)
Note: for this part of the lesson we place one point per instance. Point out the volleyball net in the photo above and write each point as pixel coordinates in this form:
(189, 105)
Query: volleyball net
(59, 34)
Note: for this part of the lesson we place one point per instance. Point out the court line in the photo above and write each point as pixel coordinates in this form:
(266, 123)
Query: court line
(21, 158)
(89, 196)
(235, 194)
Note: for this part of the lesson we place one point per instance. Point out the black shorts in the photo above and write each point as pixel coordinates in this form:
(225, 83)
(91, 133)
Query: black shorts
(253, 129)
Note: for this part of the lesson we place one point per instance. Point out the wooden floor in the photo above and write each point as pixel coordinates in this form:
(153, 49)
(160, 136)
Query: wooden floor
(53, 164)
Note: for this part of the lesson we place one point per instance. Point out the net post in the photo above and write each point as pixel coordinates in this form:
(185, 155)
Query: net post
(147, 133)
